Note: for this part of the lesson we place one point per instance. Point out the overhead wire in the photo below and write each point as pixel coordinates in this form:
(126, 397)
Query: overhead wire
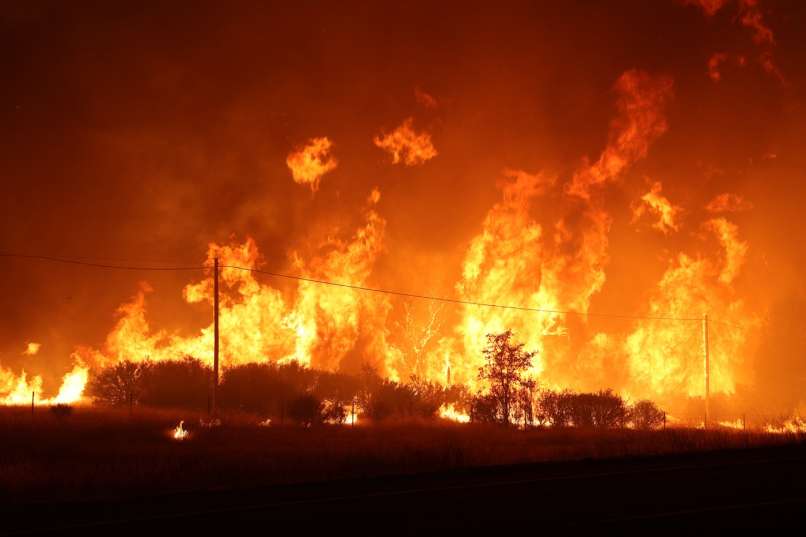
(74, 261)
(405, 294)
(460, 301)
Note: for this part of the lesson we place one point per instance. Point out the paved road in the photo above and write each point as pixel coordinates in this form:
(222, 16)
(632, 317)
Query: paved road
(761, 488)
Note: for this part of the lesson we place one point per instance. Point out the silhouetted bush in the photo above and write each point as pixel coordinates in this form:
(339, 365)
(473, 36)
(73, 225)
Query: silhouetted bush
(120, 384)
(305, 410)
(555, 408)
(268, 389)
(61, 411)
(427, 397)
(180, 384)
(601, 410)
(484, 408)
(388, 399)
(337, 386)
(645, 415)
(256, 388)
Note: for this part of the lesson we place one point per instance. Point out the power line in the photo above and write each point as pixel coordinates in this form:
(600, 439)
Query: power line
(69, 261)
(73, 261)
(463, 302)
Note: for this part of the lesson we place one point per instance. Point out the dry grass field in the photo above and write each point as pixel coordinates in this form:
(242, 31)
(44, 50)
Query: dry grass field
(100, 453)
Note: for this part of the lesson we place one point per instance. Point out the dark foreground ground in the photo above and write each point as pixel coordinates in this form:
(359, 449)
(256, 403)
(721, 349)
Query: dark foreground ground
(748, 488)
(104, 472)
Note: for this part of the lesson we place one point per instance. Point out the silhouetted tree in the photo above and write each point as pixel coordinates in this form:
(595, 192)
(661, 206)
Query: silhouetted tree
(416, 332)
(506, 362)
(645, 415)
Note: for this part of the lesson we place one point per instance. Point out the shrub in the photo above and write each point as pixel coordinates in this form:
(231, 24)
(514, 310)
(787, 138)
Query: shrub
(646, 415)
(555, 408)
(484, 409)
(61, 411)
(602, 410)
(428, 396)
(120, 384)
(256, 388)
(182, 384)
(305, 410)
(337, 386)
(388, 399)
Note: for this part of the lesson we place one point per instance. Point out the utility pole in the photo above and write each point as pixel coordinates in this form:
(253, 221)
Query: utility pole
(215, 338)
(32, 403)
(707, 369)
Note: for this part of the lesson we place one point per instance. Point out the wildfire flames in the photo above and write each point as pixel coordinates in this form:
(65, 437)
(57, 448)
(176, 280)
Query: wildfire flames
(407, 146)
(22, 390)
(311, 162)
(513, 260)
(540, 244)
(449, 412)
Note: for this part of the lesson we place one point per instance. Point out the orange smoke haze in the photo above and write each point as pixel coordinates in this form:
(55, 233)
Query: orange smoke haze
(558, 158)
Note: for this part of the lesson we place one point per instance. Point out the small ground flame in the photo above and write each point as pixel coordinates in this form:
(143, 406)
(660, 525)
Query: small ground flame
(794, 425)
(448, 412)
(735, 424)
(179, 432)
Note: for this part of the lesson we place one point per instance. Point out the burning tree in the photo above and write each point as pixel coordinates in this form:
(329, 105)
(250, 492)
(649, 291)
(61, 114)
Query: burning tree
(417, 332)
(506, 362)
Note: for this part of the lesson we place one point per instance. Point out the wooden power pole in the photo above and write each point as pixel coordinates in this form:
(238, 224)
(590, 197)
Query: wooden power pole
(707, 369)
(215, 339)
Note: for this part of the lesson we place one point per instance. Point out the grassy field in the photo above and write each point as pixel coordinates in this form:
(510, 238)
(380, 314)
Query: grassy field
(96, 452)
